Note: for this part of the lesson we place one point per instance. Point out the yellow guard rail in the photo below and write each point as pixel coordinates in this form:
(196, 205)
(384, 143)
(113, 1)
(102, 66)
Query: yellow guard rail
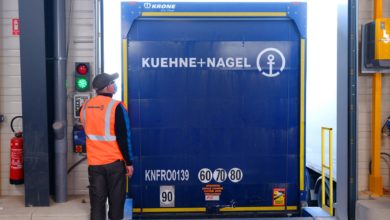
(329, 167)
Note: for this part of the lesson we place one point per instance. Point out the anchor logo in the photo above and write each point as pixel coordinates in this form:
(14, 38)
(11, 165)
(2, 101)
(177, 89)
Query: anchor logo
(147, 5)
(271, 62)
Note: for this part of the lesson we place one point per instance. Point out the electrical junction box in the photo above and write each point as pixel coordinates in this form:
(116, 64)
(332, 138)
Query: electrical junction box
(376, 44)
(79, 139)
(78, 101)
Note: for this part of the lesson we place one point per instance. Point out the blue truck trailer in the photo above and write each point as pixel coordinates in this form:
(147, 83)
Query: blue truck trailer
(216, 98)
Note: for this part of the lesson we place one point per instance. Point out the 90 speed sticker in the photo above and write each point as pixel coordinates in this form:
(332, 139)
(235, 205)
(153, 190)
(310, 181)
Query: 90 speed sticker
(219, 175)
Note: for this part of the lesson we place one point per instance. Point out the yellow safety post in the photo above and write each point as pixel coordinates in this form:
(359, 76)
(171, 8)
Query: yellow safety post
(375, 182)
(329, 167)
(302, 119)
(377, 9)
(124, 71)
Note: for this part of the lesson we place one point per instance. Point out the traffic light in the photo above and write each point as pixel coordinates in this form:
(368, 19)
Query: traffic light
(82, 77)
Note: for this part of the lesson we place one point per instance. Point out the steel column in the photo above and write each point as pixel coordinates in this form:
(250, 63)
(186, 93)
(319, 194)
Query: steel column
(36, 119)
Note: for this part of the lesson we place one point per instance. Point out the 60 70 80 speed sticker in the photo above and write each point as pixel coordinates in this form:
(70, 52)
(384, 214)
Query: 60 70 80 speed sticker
(220, 175)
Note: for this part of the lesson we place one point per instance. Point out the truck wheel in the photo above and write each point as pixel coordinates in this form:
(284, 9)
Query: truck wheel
(319, 198)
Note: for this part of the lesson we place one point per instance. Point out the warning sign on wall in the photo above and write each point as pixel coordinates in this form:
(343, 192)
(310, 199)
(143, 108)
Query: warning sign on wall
(15, 26)
(279, 197)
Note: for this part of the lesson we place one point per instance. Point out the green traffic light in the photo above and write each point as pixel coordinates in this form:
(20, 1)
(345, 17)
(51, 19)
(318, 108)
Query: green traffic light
(81, 84)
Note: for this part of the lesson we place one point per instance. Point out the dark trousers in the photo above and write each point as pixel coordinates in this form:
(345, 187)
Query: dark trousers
(107, 181)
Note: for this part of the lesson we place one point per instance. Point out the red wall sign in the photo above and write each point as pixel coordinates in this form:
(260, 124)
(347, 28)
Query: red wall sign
(15, 26)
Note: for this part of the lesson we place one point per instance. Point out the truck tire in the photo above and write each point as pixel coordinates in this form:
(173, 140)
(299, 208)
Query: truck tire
(319, 198)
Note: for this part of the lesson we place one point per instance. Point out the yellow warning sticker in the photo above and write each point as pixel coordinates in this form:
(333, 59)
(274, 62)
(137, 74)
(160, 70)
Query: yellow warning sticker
(279, 197)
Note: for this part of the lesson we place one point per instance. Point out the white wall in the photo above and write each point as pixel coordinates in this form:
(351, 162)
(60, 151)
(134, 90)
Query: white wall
(365, 109)
(10, 92)
(81, 49)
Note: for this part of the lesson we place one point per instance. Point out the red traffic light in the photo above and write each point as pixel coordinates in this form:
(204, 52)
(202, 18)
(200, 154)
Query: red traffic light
(82, 69)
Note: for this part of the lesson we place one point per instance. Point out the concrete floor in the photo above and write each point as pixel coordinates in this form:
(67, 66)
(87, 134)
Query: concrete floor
(77, 208)
(12, 207)
(373, 208)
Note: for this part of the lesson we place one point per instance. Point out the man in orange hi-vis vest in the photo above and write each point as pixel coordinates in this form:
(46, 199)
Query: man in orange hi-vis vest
(109, 153)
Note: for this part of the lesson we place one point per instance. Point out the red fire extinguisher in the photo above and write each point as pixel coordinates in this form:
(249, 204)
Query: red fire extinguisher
(16, 173)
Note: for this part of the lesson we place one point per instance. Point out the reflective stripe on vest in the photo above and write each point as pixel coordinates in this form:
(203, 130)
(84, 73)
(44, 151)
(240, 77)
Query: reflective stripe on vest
(107, 121)
(83, 114)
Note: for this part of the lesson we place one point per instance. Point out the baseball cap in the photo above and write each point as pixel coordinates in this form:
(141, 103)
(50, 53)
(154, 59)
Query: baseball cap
(102, 80)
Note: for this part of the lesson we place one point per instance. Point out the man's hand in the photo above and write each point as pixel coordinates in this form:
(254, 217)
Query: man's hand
(129, 171)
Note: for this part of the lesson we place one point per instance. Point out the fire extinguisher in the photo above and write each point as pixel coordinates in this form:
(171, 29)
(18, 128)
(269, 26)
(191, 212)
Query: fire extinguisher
(16, 173)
